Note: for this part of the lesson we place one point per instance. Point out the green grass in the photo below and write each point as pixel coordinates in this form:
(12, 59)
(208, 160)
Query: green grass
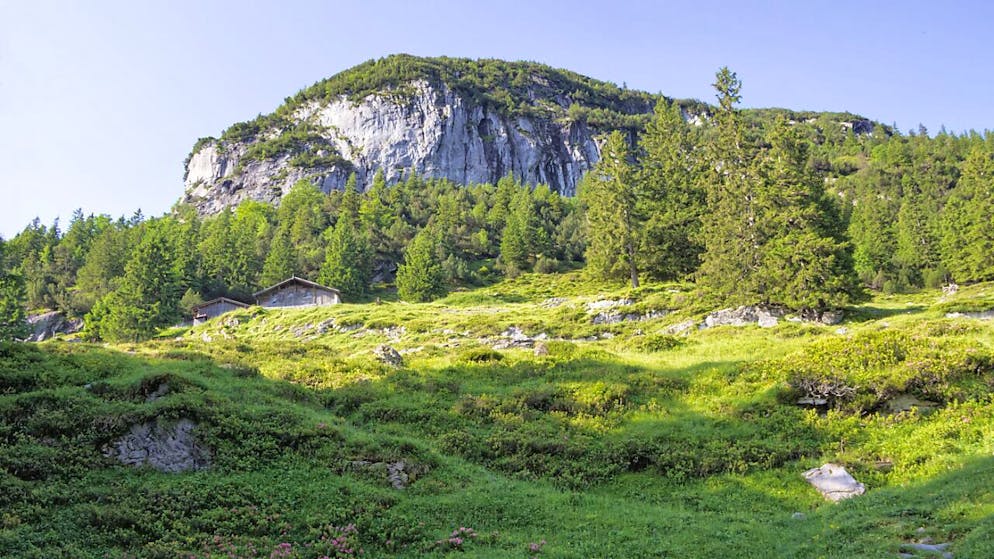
(620, 441)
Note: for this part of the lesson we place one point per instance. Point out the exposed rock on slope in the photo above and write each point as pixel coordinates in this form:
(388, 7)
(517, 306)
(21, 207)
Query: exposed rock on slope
(537, 123)
(169, 448)
(48, 325)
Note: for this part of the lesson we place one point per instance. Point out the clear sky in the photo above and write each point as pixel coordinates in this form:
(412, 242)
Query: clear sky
(101, 101)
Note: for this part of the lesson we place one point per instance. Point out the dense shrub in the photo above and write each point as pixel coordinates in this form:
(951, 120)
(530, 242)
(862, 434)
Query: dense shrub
(859, 374)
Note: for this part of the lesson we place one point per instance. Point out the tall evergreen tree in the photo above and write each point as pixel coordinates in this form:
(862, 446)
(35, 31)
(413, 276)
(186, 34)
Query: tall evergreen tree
(281, 261)
(772, 236)
(421, 278)
(968, 220)
(806, 264)
(730, 227)
(608, 193)
(518, 238)
(12, 301)
(669, 199)
(347, 259)
(103, 267)
(301, 212)
(148, 296)
(377, 218)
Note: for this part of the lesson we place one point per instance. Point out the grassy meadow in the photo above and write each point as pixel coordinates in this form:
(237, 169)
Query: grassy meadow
(631, 439)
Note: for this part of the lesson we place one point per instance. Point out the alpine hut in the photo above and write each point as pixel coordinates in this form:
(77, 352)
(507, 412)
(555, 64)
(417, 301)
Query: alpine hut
(297, 292)
(215, 307)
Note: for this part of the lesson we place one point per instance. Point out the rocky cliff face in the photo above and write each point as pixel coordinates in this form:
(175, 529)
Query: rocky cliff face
(469, 121)
(431, 130)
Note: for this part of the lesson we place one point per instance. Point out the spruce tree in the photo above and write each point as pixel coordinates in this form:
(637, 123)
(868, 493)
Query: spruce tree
(806, 264)
(518, 238)
(301, 212)
(772, 236)
(377, 218)
(12, 301)
(103, 267)
(148, 296)
(421, 278)
(281, 261)
(669, 198)
(608, 193)
(730, 228)
(968, 220)
(347, 258)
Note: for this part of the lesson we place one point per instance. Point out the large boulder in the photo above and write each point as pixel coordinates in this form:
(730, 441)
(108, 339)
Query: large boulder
(46, 326)
(834, 482)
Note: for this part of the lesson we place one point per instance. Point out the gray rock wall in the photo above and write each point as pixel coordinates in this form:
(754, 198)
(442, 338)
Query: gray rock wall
(434, 132)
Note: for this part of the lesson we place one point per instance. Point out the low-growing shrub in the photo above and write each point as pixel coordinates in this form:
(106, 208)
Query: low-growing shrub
(859, 374)
(651, 343)
(481, 355)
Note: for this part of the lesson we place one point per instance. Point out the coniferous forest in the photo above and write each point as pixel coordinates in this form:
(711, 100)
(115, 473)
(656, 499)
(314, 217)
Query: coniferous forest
(754, 206)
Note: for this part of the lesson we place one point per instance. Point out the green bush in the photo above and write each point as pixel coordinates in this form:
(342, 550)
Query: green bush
(651, 343)
(481, 355)
(859, 374)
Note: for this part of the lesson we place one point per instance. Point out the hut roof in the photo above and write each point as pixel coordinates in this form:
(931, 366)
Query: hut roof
(295, 279)
(219, 300)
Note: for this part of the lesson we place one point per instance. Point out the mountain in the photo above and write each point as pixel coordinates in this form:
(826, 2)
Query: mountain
(470, 121)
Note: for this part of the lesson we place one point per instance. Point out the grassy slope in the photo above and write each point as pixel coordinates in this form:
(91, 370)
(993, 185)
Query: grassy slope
(636, 445)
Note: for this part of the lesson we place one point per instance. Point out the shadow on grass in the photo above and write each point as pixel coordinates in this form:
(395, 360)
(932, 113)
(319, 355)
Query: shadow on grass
(867, 313)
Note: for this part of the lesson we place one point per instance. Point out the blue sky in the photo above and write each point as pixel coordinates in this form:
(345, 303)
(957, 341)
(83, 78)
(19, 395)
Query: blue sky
(101, 101)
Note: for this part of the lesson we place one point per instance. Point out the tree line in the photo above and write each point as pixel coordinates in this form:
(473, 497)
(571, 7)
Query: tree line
(760, 208)
(130, 276)
(756, 207)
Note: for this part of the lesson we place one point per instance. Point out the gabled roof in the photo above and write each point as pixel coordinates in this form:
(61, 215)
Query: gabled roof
(219, 300)
(295, 279)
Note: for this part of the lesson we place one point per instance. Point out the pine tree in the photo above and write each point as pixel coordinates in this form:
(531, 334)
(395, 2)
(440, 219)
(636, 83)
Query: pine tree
(148, 296)
(103, 267)
(351, 200)
(281, 261)
(608, 192)
(871, 230)
(806, 265)
(730, 228)
(968, 220)
(347, 259)
(12, 301)
(669, 198)
(301, 213)
(518, 238)
(421, 278)
(215, 249)
(377, 218)
(772, 236)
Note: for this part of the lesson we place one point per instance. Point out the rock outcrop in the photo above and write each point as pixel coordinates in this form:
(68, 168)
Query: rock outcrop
(764, 317)
(388, 355)
(166, 447)
(435, 132)
(48, 325)
(977, 315)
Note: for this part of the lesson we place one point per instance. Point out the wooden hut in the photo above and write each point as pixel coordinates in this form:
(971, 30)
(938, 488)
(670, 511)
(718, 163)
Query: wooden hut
(297, 292)
(215, 307)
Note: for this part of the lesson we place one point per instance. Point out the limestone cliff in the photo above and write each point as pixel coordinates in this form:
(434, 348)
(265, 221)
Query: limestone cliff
(436, 125)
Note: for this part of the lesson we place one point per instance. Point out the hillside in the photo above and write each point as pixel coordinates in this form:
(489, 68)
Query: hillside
(469, 121)
(542, 416)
